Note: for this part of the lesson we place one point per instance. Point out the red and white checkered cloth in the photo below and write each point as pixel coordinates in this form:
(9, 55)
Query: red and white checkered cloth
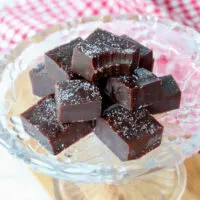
(22, 20)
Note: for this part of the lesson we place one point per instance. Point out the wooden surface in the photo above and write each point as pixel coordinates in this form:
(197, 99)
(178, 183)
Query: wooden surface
(192, 191)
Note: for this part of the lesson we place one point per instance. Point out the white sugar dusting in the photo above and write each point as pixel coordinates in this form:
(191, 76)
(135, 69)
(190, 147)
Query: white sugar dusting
(143, 50)
(169, 85)
(77, 91)
(102, 41)
(44, 117)
(128, 80)
(132, 125)
(63, 54)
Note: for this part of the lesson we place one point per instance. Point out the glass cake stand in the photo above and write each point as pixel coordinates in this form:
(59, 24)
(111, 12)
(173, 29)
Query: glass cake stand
(88, 169)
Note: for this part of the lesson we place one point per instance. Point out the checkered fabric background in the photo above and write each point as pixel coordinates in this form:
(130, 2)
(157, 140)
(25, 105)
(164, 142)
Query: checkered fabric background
(26, 17)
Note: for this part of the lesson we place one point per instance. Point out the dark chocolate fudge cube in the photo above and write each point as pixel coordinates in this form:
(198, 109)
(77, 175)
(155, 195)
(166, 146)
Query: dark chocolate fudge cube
(104, 54)
(42, 84)
(77, 100)
(129, 135)
(146, 54)
(58, 61)
(171, 96)
(40, 122)
(141, 89)
(150, 87)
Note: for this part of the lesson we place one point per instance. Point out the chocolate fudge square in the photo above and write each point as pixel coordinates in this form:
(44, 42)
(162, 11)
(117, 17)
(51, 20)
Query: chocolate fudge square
(146, 54)
(58, 61)
(141, 89)
(42, 84)
(104, 54)
(129, 135)
(40, 122)
(171, 96)
(77, 100)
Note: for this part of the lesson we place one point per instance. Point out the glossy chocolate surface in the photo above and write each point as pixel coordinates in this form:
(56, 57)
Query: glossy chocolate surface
(171, 96)
(104, 54)
(146, 54)
(129, 134)
(77, 100)
(40, 121)
(141, 89)
(42, 84)
(58, 61)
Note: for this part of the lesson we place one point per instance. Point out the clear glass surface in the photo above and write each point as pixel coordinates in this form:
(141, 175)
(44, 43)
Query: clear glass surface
(166, 184)
(176, 52)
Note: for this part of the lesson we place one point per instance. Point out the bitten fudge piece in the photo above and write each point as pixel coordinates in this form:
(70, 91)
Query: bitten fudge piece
(42, 84)
(171, 96)
(40, 122)
(77, 100)
(104, 54)
(58, 61)
(146, 54)
(129, 134)
(141, 89)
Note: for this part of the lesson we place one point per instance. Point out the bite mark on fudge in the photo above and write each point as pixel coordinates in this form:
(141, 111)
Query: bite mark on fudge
(104, 54)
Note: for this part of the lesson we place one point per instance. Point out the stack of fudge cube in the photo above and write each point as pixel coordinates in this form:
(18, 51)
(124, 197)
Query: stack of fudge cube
(103, 84)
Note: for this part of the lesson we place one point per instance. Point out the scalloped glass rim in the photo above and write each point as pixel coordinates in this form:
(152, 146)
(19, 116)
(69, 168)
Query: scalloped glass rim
(87, 172)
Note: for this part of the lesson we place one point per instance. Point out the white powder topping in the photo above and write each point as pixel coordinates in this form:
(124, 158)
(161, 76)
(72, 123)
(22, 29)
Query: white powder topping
(44, 117)
(131, 125)
(63, 55)
(130, 81)
(143, 50)
(101, 41)
(76, 92)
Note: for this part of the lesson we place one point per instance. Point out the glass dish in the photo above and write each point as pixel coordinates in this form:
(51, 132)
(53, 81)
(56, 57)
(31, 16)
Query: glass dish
(176, 52)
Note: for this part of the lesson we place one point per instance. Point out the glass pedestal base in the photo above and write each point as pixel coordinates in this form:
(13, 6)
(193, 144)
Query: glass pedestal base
(167, 184)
